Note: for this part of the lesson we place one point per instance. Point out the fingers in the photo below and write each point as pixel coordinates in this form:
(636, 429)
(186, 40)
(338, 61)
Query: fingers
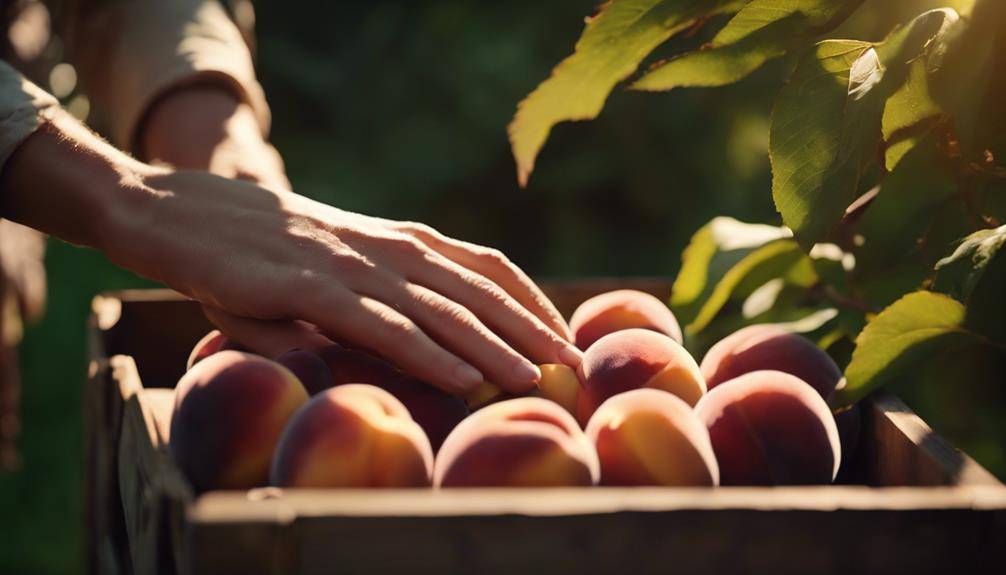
(495, 266)
(270, 338)
(492, 305)
(458, 329)
(370, 324)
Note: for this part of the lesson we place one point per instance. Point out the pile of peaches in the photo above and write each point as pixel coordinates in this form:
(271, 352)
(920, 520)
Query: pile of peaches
(639, 411)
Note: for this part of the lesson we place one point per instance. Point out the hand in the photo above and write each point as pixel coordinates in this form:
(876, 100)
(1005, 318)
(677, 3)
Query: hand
(448, 312)
(206, 127)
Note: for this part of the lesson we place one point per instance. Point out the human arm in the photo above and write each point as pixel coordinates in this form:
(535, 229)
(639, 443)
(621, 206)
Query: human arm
(396, 288)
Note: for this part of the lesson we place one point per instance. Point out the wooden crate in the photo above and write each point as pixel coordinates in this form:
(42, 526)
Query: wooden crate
(918, 505)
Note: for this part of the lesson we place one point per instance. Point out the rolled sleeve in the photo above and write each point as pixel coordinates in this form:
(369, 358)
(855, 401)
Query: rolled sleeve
(131, 52)
(23, 108)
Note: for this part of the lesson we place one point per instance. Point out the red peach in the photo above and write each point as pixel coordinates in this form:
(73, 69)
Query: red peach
(770, 347)
(436, 411)
(650, 437)
(352, 435)
(632, 359)
(230, 409)
(771, 428)
(621, 309)
(524, 442)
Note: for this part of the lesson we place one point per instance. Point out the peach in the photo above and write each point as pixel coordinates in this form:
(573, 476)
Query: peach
(485, 394)
(650, 437)
(211, 343)
(633, 359)
(621, 309)
(559, 383)
(771, 428)
(353, 435)
(352, 366)
(765, 346)
(230, 409)
(309, 368)
(436, 411)
(524, 442)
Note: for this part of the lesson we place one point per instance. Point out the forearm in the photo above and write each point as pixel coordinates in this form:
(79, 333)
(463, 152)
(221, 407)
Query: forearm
(131, 53)
(207, 127)
(67, 182)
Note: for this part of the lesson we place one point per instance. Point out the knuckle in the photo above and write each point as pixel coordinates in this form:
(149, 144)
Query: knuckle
(496, 259)
(419, 229)
(404, 244)
(349, 264)
(397, 332)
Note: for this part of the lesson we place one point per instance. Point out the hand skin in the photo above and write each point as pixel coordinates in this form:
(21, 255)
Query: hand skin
(451, 313)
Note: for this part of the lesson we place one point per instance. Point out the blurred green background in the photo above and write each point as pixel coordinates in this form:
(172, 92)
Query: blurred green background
(399, 109)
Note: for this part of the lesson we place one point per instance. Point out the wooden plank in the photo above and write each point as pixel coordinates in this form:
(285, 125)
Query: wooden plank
(902, 450)
(730, 530)
(149, 482)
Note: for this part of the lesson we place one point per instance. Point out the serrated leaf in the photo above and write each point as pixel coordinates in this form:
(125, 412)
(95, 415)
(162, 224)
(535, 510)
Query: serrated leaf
(913, 328)
(763, 30)
(729, 259)
(611, 47)
(976, 274)
(827, 123)
(822, 133)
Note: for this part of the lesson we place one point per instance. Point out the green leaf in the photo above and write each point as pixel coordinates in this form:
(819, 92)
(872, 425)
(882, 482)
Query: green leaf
(914, 328)
(763, 30)
(911, 110)
(613, 44)
(976, 274)
(894, 227)
(823, 131)
(959, 273)
(725, 260)
(970, 84)
(827, 123)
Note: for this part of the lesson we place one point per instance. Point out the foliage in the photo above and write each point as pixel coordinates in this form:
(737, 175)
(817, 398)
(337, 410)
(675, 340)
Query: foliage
(887, 172)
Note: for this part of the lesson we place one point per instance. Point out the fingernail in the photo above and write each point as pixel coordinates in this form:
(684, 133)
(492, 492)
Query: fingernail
(467, 377)
(570, 356)
(527, 371)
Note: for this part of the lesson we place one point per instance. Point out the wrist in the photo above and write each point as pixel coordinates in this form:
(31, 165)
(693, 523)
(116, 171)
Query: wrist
(67, 182)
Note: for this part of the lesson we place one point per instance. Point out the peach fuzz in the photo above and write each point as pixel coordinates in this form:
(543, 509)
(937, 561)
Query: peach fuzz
(229, 412)
(436, 411)
(523, 442)
(771, 428)
(634, 359)
(621, 309)
(352, 436)
(770, 347)
(650, 437)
